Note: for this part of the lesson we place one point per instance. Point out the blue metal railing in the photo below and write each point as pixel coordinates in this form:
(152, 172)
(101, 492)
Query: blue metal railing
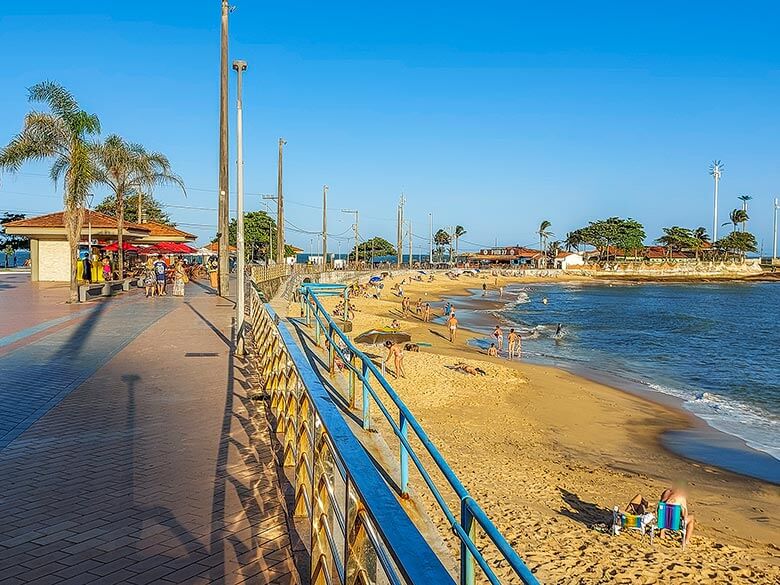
(362, 369)
(360, 533)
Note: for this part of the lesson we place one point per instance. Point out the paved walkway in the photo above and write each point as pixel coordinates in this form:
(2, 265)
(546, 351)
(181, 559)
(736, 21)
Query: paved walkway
(134, 454)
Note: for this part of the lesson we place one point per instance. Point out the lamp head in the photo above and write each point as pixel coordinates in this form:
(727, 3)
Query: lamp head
(239, 65)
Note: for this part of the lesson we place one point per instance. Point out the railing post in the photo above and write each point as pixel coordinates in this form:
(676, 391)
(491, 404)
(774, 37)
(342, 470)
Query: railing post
(366, 395)
(404, 456)
(352, 380)
(317, 328)
(466, 558)
(331, 350)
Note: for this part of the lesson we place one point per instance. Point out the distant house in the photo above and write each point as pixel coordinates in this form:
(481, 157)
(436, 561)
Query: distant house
(564, 260)
(516, 256)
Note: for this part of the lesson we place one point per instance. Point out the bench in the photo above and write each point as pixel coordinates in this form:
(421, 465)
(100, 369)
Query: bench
(103, 289)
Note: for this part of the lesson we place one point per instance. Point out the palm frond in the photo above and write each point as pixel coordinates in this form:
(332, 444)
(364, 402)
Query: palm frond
(59, 99)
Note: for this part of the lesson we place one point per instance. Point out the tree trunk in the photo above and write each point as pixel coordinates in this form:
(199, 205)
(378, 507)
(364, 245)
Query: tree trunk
(74, 220)
(120, 224)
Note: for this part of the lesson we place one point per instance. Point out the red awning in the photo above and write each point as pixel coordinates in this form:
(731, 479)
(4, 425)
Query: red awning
(126, 246)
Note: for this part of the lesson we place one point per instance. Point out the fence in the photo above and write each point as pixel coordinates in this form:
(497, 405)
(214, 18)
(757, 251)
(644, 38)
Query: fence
(359, 532)
(364, 373)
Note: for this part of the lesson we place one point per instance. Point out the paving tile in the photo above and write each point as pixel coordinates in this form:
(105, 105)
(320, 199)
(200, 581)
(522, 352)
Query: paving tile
(119, 462)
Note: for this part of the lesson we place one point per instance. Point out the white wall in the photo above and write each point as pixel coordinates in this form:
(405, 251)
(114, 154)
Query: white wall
(53, 260)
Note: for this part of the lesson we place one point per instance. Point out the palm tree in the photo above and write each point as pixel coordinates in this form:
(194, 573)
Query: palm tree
(441, 238)
(700, 240)
(544, 233)
(573, 241)
(127, 168)
(60, 134)
(459, 231)
(744, 199)
(736, 217)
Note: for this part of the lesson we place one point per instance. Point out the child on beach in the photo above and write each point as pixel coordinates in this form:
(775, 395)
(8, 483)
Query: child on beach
(492, 350)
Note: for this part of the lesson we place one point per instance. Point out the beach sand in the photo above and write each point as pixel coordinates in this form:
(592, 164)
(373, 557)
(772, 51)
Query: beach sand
(548, 454)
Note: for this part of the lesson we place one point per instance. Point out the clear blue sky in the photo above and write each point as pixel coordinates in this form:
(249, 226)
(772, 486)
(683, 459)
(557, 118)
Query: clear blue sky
(491, 115)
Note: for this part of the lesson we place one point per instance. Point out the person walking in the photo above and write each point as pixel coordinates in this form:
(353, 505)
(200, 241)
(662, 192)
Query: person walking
(452, 325)
(159, 274)
(511, 343)
(179, 279)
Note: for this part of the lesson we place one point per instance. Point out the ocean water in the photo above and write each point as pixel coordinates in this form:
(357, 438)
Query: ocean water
(21, 256)
(716, 347)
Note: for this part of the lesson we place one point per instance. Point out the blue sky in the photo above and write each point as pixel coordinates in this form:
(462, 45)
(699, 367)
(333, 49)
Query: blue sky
(493, 116)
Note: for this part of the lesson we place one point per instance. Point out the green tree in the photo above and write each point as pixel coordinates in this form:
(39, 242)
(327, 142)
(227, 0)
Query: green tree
(259, 234)
(151, 209)
(736, 217)
(744, 199)
(60, 134)
(626, 234)
(7, 241)
(458, 233)
(573, 241)
(676, 238)
(376, 246)
(442, 239)
(739, 243)
(126, 168)
(544, 233)
(700, 240)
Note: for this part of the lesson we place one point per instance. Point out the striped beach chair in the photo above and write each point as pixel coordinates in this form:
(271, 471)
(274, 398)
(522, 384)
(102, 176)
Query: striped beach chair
(670, 517)
(624, 521)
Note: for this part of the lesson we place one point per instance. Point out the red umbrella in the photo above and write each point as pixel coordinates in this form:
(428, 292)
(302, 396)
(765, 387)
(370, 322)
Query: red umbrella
(127, 247)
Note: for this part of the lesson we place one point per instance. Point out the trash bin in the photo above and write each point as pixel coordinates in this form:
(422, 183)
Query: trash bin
(213, 277)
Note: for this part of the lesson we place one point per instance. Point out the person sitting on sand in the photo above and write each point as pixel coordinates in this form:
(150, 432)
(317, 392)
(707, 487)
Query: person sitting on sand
(396, 351)
(452, 325)
(395, 325)
(492, 352)
(674, 495)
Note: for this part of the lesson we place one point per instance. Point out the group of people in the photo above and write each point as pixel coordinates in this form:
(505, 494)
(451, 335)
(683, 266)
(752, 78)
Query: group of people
(422, 310)
(514, 343)
(155, 277)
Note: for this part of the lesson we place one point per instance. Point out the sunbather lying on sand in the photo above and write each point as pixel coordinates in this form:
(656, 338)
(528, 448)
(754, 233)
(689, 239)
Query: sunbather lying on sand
(467, 369)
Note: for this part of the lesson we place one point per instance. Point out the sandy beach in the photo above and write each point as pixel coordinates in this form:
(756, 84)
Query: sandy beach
(548, 454)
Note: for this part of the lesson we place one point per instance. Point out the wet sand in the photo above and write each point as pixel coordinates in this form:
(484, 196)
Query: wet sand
(548, 454)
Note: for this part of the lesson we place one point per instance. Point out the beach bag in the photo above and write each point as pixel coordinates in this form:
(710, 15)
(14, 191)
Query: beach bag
(185, 279)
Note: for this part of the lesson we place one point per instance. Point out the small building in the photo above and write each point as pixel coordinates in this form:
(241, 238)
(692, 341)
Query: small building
(50, 257)
(564, 260)
(515, 256)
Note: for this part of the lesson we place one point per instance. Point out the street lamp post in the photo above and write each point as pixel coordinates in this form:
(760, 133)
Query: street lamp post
(774, 238)
(223, 213)
(239, 66)
(324, 226)
(90, 199)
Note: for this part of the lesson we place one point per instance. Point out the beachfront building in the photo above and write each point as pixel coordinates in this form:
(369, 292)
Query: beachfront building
(511, 256)
(564, 260)
(50, 259)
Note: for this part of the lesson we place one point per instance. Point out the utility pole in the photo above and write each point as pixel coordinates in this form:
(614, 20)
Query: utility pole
(280, 208)
(140, 195)
(716, 170)
(430, 241)
(324, 226)
(356, 233)
(400, 232)
(410, 243)
(239, 67)
(774, 240)
(223, 211)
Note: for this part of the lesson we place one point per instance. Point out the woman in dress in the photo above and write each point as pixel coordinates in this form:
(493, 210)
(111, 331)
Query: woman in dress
(179, 274)
(149, 278)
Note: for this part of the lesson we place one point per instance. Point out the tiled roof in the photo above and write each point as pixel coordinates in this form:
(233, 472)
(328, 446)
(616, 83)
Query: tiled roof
(55, 220)
(160, 229)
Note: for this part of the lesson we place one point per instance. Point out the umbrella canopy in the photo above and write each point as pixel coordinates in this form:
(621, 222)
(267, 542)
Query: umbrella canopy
(125, 246)
(376, 336)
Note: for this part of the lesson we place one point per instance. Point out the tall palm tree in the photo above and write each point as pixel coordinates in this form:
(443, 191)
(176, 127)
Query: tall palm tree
(544, 233)
(459, 231)
(700, 240)
(736, 217)
(573, 241)
(744, 199)
(127, 168)
(441, 239)
(60, 134)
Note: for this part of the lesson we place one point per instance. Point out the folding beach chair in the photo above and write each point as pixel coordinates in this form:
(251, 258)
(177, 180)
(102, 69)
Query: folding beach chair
(625, 521)
(670, 517)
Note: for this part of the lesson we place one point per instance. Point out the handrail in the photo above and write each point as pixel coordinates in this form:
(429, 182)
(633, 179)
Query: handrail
(471, 512)
(320, 446)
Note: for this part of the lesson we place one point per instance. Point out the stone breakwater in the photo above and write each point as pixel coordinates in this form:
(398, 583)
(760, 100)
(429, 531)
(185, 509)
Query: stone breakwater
(669, 269)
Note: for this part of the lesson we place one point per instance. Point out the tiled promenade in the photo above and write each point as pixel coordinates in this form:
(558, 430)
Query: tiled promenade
(132, 453)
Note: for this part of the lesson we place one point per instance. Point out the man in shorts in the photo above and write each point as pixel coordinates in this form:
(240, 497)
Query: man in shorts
(452, 325)
(160, 267)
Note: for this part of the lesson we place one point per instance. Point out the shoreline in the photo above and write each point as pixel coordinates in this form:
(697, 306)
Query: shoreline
(743, 458)
(548, 443)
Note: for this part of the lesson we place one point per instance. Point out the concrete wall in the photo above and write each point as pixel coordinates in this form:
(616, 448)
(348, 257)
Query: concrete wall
(53, 261)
